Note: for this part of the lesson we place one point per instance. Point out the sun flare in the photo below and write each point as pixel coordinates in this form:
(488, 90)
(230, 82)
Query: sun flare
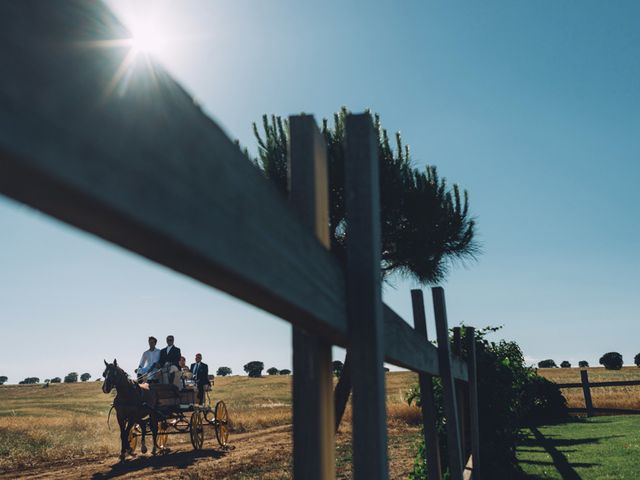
(147, 40)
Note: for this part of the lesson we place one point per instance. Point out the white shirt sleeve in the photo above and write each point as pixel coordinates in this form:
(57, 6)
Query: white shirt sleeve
(142, 360)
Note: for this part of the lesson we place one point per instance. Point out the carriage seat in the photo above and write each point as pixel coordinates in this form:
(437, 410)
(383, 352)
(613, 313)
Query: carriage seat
(166, 395)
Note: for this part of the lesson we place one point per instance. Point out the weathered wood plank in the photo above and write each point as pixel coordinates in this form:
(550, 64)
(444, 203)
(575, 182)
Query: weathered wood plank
(606, 411)
(406, 348)
(428, 404)
(342, 390)
(364, 300)
(81, 147)
(584, 377)
(456, 350)
(450, 405)
(141, 165)
(312, 385)
(474, 416)
(621, 383)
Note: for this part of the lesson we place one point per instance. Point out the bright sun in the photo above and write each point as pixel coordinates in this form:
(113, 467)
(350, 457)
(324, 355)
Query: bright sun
(147, 40)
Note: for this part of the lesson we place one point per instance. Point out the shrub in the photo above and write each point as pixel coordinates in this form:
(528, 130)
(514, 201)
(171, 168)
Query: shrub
(285, 371)
(611, 361)
(565, 364)
(510, 394)
(85, 376)
(273, 371)
(636, 360)
(29, 381)
(254, 368)
(583, 364)
(56, 380)
(223, 371)
(548, 363)
(3, 380)
(71, 378)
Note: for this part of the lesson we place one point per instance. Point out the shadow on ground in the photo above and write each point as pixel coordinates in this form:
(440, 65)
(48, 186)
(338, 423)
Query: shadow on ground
(559, 461)
(175, 460)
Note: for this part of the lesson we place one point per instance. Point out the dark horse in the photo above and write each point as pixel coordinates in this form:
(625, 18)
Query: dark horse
(132, 404)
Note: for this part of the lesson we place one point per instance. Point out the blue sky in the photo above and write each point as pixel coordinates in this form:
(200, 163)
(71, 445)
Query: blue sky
(534, 107)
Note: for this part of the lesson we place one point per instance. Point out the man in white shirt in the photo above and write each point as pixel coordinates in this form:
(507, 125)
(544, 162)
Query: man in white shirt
(149, 359)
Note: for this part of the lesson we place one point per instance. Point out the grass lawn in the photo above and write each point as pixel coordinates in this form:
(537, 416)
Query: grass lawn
(595, 448)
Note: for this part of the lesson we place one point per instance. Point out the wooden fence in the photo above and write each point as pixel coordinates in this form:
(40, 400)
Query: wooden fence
(586, 386)
(111, 144)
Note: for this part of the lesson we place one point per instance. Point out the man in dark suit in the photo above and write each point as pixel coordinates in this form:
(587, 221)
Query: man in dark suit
(170, 353)
(200, 373)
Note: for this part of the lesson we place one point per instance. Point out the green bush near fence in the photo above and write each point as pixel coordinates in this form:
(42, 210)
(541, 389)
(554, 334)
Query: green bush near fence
(510, 395)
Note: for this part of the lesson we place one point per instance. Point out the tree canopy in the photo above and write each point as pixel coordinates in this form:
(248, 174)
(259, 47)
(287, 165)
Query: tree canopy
(425, 223)
(254, 368)
(611, 361)
(223, 371)
(548, 363)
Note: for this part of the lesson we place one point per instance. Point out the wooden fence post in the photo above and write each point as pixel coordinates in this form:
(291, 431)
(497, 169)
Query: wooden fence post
(444, 360)
(584, 377)
(313, 412)
(429, 421)
(474, 418)
(460, 395)
(342, 390)
(364, 299)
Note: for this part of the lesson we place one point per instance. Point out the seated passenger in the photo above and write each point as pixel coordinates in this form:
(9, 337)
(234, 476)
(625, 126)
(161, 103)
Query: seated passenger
(148, 361)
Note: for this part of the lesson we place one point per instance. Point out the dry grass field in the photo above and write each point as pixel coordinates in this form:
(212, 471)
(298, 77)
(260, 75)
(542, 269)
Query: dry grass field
(603, 397)
(61, 432)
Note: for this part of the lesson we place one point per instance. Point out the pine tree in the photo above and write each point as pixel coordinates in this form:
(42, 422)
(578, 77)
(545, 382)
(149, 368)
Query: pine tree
(425, 224)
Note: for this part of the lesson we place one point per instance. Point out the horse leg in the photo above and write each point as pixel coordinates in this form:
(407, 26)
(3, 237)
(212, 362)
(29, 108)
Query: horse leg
(130, 425)
(153, 423)
(143, 426)
(124, 441)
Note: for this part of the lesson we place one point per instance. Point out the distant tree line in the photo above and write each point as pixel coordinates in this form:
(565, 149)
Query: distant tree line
(71, 377)
(610, 361)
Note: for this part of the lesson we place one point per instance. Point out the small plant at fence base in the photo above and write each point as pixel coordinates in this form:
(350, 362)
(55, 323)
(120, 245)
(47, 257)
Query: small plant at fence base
(510, 394)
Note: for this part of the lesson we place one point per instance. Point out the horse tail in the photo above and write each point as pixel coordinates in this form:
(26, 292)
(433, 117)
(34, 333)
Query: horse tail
(109, 417)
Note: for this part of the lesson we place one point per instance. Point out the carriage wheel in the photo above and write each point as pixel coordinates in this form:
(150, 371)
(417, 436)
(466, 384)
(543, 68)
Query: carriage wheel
(196, 429)
(133, 437)
(162, 438)
(222, 423)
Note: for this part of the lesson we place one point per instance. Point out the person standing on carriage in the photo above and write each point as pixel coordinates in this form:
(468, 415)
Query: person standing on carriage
(169, 354)
(148, 361)
(200, 373)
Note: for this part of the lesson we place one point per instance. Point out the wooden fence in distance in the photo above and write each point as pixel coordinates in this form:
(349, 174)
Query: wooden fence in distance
(113, 145)
(586, 386)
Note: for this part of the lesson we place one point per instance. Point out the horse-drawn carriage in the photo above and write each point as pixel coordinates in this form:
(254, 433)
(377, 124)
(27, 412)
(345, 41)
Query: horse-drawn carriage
(165, 408)
(178, 413)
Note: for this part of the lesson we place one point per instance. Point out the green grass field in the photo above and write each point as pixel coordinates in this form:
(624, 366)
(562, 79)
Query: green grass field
(590, 449)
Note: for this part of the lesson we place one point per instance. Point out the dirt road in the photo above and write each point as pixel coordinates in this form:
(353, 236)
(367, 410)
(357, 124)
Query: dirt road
(264, 454)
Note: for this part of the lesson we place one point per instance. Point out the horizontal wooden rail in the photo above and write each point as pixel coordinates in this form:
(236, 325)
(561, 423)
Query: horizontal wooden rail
(405, 348)
(622, 383)
(605, 411)
(139, 164)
